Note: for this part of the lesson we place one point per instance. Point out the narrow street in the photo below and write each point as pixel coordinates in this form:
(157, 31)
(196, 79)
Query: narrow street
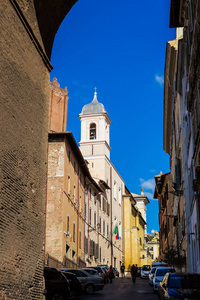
(123, 288)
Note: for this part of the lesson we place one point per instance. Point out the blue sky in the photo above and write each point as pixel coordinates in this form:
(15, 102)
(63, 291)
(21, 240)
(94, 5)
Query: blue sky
(119, 47)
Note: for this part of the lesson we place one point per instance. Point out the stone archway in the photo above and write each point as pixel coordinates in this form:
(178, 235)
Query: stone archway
(28, 28)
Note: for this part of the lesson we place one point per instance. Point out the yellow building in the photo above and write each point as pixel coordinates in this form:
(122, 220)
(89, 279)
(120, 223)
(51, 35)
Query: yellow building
(153, 246)
(134, 232)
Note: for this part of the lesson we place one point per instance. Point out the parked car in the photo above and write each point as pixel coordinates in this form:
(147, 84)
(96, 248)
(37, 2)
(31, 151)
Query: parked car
(91, 271)
(145, 271)
(159, 274)
(151, 275)
(158, 264)
(100, 271)
(56, 285)
(116, 272)
(179, 286)
(75, 285)
(90, 283)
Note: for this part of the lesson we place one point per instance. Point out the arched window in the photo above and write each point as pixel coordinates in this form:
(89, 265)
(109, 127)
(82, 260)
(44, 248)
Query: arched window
(93, 131)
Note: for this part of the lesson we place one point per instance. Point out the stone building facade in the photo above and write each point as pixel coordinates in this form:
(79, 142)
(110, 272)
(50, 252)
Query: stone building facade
(168, 221)
(65, 221)
(95, 147)
(181, 124)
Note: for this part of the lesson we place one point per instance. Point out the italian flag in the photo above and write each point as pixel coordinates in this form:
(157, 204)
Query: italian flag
(116, 232)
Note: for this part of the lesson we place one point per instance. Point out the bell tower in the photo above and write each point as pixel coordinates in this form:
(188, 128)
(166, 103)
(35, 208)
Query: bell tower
(95, 130)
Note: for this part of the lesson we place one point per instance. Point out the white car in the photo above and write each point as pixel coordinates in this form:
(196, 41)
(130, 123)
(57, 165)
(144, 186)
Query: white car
(151, 275)
(159, 274)
(145, 271)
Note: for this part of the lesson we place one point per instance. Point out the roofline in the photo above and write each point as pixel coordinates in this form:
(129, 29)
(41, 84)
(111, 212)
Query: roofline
(95, 114)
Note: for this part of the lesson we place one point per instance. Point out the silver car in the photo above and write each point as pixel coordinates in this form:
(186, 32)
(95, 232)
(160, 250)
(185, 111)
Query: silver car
(99, 270)
(90, 283)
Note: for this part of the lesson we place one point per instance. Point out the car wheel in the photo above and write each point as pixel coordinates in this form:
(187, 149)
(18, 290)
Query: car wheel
(89, 289)
(72, 294)
(57, 296)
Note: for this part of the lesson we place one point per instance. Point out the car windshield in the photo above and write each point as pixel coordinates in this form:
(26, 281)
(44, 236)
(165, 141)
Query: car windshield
(92, 272)
(153, 270)
(162, 272)
(146, 268)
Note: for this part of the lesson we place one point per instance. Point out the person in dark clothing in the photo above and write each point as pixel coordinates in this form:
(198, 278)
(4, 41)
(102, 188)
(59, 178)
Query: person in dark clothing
(122, 268)
(134, 270)
(111, 274)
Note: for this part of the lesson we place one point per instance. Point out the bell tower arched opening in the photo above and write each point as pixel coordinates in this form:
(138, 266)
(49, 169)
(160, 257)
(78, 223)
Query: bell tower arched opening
(93, 132)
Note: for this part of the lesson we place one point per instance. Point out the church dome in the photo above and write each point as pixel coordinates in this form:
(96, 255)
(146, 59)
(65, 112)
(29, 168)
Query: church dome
(94, 107)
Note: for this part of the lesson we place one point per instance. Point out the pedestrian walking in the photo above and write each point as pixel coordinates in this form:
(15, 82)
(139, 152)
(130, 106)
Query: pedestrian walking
(122, 268)
(134, 270)
(111, 274)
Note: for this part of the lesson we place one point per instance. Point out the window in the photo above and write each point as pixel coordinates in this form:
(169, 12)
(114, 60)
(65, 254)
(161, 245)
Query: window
(73, 253)
(86, 211)
(67, 248)
(120, 196)
(86, 245)
(115, 190)
(104, 227)
(80, 239)
(67, 223)
(69, 155)
(90, 195)
(74, 231)
(100, 224)
(108, 209)
(100, 254)
(95, 198)
(95, 219)
(99, 201)
(93, 131)
(74, 166)
(90, 216)
(107, 231)
(104, 205)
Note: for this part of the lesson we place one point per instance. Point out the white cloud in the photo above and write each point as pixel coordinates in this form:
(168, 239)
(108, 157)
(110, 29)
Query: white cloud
(148, 184)
(159, 79)
(152, 171)
(150, 196)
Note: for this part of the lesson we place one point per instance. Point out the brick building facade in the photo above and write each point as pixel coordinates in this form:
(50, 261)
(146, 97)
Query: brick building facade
(27, 33)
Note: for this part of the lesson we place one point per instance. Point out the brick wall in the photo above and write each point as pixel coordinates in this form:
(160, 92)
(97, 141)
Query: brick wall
(58, 107)
(24, 101)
